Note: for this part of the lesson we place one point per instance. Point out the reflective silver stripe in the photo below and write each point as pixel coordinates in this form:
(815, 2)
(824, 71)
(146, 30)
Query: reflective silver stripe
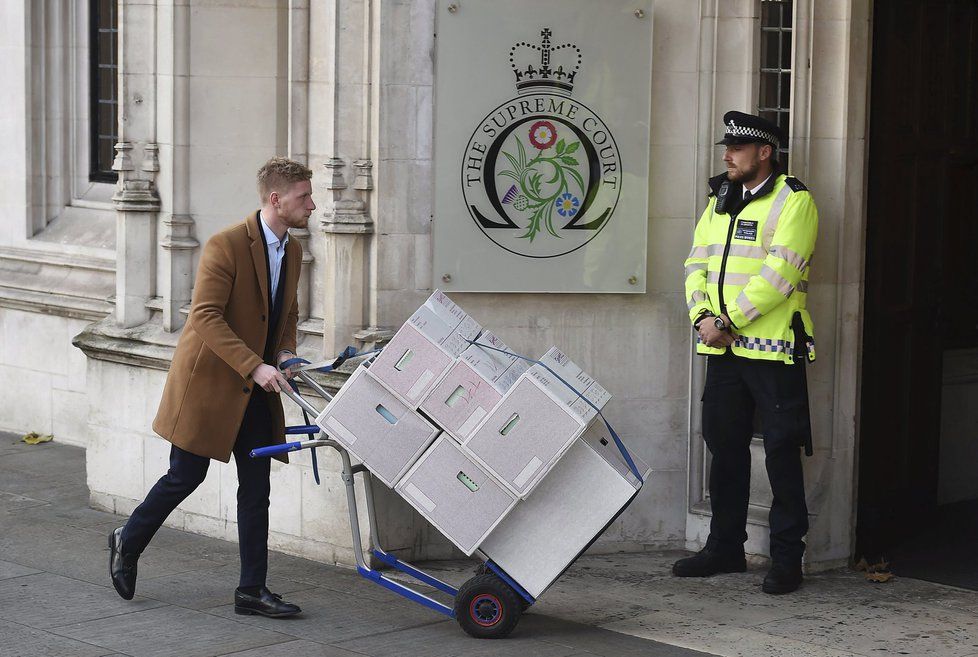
(699, 252)
(782, 284)
(802, 286)
(696, 266)
(697, 297)
(789, 256)
(729, 278)
(745, 251)
(773, 216)
(747, 307)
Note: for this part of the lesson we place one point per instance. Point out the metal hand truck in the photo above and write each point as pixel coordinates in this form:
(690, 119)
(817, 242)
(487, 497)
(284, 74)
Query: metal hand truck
(487, 606)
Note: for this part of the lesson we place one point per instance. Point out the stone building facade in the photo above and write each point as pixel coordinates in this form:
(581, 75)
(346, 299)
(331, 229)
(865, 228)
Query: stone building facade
(97, 277)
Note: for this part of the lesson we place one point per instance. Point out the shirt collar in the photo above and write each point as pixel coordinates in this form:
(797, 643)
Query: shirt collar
(270, 237)
(753, 192)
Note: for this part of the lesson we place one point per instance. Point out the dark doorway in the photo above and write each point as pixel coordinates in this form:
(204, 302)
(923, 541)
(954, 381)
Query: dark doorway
(921, 295)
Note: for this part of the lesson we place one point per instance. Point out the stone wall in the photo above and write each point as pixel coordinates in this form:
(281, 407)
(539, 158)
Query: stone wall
(347, 86)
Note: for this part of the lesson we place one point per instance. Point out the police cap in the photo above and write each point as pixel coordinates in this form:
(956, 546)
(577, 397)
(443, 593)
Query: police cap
(742, 128)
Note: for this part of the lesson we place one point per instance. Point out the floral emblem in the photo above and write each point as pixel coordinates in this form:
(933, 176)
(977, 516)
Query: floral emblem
(543, 183)
(543, 134)
(567, 204)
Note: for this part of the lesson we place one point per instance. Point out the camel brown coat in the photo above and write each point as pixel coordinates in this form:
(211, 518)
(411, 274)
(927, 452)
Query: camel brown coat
(209, 382)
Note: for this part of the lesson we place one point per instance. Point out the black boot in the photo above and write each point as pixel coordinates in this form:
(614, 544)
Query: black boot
(782, 578)
(122, 567)
(708, 562)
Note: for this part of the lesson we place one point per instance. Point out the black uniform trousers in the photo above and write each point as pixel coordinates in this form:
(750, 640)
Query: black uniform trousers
(735, 388)
(187, 472)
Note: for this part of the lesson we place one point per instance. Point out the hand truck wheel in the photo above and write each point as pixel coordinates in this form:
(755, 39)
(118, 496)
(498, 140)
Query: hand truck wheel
(487, 608)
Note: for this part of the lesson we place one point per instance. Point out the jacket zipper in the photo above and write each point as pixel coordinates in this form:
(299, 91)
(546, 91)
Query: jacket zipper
(723, 262)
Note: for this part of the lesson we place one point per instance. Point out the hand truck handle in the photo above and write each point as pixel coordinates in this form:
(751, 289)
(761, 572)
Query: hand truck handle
(272, 450)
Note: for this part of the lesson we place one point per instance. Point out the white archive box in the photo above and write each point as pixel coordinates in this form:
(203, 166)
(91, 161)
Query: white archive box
(583, 493)
(524, 435)
(376, 427)
(501, 370)
(460, 400)
(472, 386)
(454, 494)
(424, 348)
(590, 389)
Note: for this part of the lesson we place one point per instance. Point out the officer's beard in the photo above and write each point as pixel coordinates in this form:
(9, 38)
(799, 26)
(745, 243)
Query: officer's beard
(751, 173)
(744, 175)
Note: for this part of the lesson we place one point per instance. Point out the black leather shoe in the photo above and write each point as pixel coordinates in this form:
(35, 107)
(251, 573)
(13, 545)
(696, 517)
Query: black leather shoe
(707, 562)
(122, 567)
(782, 578)
(266, 603)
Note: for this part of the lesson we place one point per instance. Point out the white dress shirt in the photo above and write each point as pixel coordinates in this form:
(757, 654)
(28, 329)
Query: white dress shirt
(753, 192)
(276, 252)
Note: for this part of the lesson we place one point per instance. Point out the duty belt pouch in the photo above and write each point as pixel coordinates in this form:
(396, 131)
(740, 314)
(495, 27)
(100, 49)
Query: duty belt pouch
(801, 357)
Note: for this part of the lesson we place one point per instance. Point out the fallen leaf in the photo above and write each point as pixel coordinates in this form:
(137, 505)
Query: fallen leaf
(879, 577)
(33, 438)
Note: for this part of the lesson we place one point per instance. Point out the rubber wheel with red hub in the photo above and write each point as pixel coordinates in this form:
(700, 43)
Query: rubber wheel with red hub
(487, 608)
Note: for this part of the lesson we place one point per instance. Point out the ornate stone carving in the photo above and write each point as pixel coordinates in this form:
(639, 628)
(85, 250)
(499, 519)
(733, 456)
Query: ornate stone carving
(364, 178)
(136, 196)
(334, 171)
(122, 161)
(178, 233)
(151, 159)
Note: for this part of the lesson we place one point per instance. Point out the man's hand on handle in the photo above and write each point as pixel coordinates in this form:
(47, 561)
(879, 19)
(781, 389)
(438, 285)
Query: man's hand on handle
(282, 357)
(269, 378)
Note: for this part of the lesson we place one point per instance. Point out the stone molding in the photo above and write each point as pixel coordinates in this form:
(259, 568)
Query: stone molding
(149, 346)
(177, 235)
(30, 277)
(136, 196)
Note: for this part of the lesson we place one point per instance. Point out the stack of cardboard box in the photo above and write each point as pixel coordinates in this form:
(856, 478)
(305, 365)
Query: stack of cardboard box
(500, 456)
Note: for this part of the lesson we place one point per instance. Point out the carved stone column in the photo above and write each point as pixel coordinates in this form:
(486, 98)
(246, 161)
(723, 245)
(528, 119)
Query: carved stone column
(177, 243)
(136, 204)
(136, 199)
(345, 225)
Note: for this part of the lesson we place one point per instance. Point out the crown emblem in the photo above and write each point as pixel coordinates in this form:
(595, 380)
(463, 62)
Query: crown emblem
(545, 65)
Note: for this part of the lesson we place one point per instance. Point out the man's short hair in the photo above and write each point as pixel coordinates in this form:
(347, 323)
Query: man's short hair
(279, 174)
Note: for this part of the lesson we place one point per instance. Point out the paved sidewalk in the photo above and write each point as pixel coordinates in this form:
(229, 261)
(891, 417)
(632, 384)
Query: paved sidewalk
(58, 601)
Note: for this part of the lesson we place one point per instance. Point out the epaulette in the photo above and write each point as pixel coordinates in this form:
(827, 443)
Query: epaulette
(795, 184)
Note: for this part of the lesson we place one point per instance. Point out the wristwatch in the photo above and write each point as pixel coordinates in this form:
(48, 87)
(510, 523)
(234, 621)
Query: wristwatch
(720, 324)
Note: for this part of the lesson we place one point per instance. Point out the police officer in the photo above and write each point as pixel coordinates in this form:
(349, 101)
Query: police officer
(746, 289)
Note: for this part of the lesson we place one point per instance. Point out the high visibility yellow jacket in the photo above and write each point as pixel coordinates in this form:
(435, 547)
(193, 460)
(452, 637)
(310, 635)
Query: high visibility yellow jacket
(752, 265)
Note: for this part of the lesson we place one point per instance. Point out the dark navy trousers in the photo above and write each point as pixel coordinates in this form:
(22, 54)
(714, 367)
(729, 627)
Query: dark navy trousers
(735, 388)
(187, 472)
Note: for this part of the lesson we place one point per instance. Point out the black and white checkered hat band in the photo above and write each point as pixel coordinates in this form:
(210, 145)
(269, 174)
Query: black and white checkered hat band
(757, 133)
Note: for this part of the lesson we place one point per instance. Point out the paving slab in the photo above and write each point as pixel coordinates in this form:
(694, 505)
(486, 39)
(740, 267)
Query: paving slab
(9, 569)
(22, 641)
(719, 639)
(49, 459)
(78, 553)
(202, 589)
(332, 617)
(297, 649)
(170, 631)
(46, 601)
